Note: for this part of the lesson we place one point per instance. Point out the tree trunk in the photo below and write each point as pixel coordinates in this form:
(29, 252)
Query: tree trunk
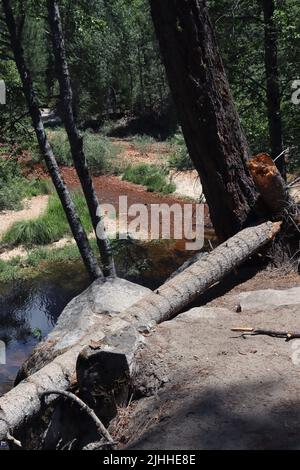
(271, 186)
(62, 191)
(209, 120)
(273, 87)
(121, 333)
(75, 139)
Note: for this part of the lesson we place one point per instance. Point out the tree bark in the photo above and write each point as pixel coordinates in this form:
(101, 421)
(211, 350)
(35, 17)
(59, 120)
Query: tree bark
(209, 120)
(270, 185)
(122, 333)
(75, 139)
(273, 87)
(62, 191)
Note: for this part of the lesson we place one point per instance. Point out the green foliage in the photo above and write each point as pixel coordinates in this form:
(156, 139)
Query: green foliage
(143, 143)
(116, 42)
(116, 68)
(150, 176)
(179, 159)
(240, 30)
(49, 227)
(98, 150)
(36, 187)
(36, 262)
(60, 146)
(14, 187)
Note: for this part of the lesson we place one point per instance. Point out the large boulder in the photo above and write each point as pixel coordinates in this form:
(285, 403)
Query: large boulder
(96, 308)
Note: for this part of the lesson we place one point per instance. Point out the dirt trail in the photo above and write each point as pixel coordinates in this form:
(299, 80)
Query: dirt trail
(129, 152)
(33, 208)
(208, 388)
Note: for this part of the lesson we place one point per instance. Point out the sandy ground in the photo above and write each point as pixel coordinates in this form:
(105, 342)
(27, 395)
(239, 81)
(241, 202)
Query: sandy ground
(156, 153)
(32, 209)
(209, 388)
(187, 184)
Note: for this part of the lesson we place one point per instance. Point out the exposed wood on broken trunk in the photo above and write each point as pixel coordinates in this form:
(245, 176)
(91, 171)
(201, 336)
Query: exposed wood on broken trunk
(23, 402)
(270, 184)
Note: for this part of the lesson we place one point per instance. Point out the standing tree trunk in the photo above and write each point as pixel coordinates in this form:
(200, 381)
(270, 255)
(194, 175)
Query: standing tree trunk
(209, 120)
(273, 87)
(62, 191)
(75, 138)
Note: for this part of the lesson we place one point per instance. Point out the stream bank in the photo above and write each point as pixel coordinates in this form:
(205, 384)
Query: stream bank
(29, 308)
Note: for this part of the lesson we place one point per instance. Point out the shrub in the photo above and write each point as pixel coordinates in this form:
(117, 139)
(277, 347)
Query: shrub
(60, 146)
(36, 187)
(154, 178)
(143, 143)
(98, 150)
(180, 159)
(14, 187)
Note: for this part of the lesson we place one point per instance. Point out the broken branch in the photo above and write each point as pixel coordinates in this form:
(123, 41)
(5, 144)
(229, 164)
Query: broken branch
(100, 426)
(288, 336)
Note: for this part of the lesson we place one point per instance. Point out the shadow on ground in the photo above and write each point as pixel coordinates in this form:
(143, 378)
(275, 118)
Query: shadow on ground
(230, 418)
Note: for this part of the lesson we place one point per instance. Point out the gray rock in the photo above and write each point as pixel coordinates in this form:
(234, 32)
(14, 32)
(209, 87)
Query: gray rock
(97, 308)
(109, 298)
(269, 298)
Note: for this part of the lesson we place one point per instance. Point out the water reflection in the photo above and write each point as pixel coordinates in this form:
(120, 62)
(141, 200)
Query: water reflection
(29, 311)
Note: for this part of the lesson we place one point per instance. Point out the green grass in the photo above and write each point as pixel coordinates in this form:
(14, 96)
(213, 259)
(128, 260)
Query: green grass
(37, 187)
(49, 227)
(99, 150)
(38, 261)
(14, 187)
(179, 159)
(151, 176)
(143, 143)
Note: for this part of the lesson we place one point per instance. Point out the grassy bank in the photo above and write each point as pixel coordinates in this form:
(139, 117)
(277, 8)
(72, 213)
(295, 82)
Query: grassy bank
(37, 262)
(99, 151)
(151, 176)
(130, 257)
(14, 187)
(49, 227)
(135, 260)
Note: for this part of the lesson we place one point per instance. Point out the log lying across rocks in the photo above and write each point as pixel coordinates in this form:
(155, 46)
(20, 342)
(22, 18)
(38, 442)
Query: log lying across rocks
(111, 346)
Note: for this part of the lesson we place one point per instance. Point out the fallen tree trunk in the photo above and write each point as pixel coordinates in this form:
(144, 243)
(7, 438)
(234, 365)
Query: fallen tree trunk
(23, 402)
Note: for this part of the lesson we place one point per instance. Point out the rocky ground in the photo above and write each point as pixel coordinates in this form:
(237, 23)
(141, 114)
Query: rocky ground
(202, 386)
